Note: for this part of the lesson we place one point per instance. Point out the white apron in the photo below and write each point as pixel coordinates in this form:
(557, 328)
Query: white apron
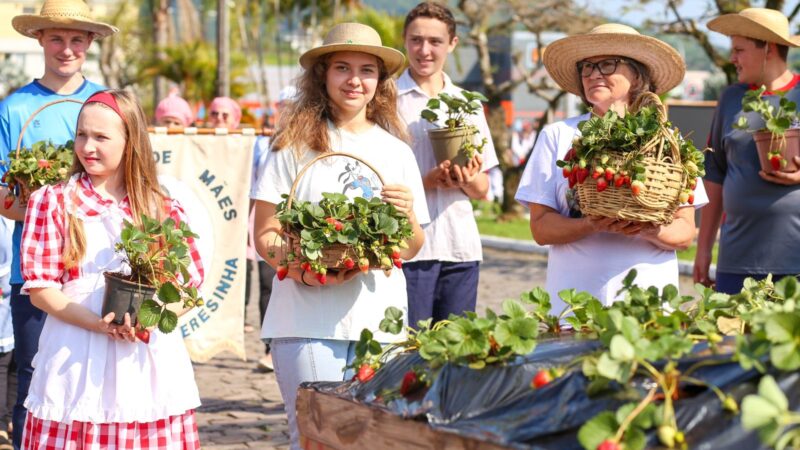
(80, 375)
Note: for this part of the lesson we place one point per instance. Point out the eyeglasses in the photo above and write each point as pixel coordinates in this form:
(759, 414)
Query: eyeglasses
(216, 114)
(605, 67)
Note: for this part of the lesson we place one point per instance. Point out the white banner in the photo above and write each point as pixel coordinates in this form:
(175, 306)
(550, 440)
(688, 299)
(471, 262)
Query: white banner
(210, 176)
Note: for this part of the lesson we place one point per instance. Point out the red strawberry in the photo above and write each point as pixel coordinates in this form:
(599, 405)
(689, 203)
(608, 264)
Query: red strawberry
(776, 160)
(619, 180)
(363, 264)
(8, 202)
(409, 384)
(608, 444)
(365, 373)
(282, 271)
(602, 184)
(305, 265)
(583, 172)
(609, 174)
(597, 172)
(349, 263)
(43, 164)
(690, 200)
(143, 335)
(570, 155)
(573, 178)
(5, 177)
(322, 277)
(566, 171)
(395, 252)
(338, 225)
(627, 181)
(541, 379)
(636, 187)
(398, 263)
(330, 220)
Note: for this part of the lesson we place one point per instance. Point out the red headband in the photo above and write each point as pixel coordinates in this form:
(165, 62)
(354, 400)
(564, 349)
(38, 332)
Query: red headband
(106, 99)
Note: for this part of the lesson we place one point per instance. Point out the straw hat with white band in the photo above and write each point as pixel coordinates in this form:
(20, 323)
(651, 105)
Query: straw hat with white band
(355, 37)
(763, 24)
(66, 14)
(561, 57)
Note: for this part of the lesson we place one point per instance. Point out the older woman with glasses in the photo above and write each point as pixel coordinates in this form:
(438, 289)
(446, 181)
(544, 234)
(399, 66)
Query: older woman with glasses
(608, 68)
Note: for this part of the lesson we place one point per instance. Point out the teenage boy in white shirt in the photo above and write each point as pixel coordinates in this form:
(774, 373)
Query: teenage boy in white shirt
(443, 277)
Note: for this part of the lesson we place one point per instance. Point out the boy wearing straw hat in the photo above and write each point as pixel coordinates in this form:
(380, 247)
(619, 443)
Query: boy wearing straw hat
(761, 231)
(65, 30)
(443, 277)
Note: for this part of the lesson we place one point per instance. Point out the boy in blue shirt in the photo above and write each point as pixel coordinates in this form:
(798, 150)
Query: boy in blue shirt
(65, 30)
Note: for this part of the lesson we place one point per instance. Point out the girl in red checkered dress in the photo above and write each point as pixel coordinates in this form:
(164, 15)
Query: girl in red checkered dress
(95, 385)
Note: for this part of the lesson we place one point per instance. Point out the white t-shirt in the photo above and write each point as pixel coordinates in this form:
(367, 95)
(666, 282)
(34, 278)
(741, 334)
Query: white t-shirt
(597, 263)
(340, 311)
(452, 234)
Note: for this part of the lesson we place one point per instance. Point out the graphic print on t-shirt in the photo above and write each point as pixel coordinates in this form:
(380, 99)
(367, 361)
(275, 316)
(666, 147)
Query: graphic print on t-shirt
(354, 178)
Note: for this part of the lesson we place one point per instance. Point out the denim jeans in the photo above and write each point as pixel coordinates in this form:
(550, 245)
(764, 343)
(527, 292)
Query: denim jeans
(298, 360)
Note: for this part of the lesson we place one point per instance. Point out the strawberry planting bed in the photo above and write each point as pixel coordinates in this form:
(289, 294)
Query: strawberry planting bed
(654, 371)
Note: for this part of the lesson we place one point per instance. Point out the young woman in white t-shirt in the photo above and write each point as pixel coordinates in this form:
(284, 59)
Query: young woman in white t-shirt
(346, 101)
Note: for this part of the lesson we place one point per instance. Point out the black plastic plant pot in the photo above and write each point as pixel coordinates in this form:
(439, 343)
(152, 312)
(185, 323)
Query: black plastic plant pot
(123, 296)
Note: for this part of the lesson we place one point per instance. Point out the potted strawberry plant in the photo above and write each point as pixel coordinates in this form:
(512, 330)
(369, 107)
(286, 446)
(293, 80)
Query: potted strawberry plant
(778, 142)
(455, 140)
(158, 255)
(29, 169)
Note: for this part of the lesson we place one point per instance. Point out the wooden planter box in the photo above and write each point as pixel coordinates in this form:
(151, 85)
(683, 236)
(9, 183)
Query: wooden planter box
(328, 422)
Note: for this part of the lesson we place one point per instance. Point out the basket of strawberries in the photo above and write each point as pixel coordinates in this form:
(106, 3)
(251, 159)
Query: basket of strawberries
(44, 163)
(338, 233)
(635, 167)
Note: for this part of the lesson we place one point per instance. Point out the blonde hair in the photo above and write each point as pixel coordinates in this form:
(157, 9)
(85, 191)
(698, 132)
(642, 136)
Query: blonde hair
(139, 166)
(303, 125)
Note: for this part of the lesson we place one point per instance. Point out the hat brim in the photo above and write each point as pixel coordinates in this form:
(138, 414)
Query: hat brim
(666, 66)
(738, 25)
(393, 59)
(29, 25)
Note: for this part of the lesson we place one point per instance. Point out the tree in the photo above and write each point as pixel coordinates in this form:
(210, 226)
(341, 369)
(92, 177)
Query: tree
(485, 18)
(679, 24)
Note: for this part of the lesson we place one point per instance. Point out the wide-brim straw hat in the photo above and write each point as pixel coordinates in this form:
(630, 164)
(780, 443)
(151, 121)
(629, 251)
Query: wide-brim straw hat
(355, 37)
(664, 63)
(66, 14)
(758, 23)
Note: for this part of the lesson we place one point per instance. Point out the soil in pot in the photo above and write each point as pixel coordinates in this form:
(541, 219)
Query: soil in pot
(447, 144)
(789, 146)
(123, 295)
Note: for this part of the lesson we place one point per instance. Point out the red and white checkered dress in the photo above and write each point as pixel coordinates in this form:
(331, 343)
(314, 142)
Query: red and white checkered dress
(89, 391)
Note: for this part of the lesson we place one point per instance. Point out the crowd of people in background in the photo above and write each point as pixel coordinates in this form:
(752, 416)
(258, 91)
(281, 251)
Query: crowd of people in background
(359, 96)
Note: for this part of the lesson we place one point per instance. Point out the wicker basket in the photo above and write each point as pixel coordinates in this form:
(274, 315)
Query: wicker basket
(333, 255)
(664, 173)
(24, 192)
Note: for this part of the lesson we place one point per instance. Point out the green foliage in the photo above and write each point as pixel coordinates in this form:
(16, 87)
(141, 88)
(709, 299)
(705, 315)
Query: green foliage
(768, 412)
(456, 109)
(158, 254)
(776, 120)
(44, 163)
(371, 227)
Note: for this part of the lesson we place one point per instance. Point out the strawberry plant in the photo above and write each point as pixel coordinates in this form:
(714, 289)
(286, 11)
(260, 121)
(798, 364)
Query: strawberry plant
(44, 163)
(158, 255)
(373, 229)
(612, 150)
(776, 121)
(768, 412)
(456, 109)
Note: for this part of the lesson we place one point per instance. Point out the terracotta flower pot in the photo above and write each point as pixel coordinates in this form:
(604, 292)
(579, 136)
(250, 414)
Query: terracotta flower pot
(788, 146)
(447, 144)
(123, 296)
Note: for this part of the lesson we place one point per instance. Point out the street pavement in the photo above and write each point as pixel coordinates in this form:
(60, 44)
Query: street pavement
(242, 407)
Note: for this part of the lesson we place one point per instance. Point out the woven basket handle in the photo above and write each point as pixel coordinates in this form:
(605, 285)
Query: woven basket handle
(30, 119)
(646, 99)
(321, 157)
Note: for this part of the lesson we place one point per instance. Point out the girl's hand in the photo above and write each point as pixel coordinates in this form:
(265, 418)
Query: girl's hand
(399, 196)
(124, 332)
(462, 176)
(626, 227)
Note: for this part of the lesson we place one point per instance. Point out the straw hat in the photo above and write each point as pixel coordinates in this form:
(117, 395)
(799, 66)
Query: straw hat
(664, 63)
(354, 37)
(68, 14)
(758, 23)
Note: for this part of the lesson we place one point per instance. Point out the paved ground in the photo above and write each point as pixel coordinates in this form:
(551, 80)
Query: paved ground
(242, 408)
